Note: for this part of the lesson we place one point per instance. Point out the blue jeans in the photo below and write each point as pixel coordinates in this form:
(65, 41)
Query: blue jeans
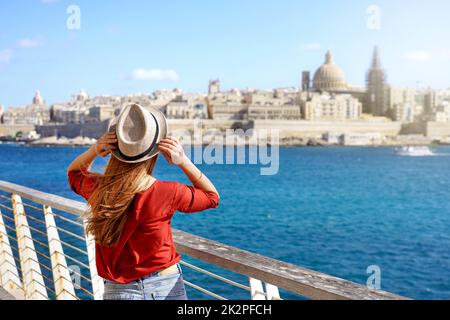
(152, 287)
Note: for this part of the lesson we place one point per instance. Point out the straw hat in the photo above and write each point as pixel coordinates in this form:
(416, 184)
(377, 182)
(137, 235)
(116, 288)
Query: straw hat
(138, 131)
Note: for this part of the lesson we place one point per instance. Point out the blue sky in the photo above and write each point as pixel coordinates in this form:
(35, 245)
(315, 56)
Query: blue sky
(138, 46)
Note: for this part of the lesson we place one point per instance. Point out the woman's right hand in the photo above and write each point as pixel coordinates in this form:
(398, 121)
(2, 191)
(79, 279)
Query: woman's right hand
(105, 144)
(172, 150)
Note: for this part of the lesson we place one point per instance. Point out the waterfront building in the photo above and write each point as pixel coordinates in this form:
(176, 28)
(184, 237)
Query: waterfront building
(326, 106)
(187, 106)
(442, 96)
(179, 110)
(227, 110)
(274, 112)
(255, 104)
(83, 109)
(276, 97)
(362, 139)
(403, 112)
(145, 100)
(74, 111)
(34, 114)
(227, 105)
(376, 79)
(214, 87)
(429, 102)
(62, 113)
(102, 112)
(278, 104)
(442, 113)
(398, 95)
(422, 102)
(1, 113)
(306, 81)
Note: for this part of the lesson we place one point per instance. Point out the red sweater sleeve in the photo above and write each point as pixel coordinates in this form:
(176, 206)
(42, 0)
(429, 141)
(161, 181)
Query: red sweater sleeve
(82, 182)
(190, 199)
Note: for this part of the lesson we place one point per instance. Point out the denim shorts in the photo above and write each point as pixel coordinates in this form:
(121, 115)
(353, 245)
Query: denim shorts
(151, 287)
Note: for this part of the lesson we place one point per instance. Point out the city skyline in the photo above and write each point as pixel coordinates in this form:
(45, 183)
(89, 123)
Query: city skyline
(249, 53)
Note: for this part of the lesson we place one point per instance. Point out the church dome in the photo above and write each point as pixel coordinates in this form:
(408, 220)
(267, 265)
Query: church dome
(38, 98)
(82, 95)
(329, 77)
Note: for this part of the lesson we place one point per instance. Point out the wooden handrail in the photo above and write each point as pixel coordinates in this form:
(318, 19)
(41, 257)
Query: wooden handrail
(302, 281)
(51, 200)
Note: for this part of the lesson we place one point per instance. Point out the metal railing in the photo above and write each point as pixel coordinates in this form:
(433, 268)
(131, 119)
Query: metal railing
(45, 254)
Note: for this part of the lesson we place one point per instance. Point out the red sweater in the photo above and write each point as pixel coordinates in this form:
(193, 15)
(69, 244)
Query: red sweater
(146, 244)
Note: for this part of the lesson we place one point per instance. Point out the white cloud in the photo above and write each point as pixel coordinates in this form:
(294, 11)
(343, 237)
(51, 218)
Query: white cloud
(312, 46)
(154, 75)
(29, 43)
(418, 55)
(5, 56)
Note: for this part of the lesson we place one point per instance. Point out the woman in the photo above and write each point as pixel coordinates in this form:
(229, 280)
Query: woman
(130, 210)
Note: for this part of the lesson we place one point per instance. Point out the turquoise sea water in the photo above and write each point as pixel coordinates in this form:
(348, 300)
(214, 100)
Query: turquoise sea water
(334, 210)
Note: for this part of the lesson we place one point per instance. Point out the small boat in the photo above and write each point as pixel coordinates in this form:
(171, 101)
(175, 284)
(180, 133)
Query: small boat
(415, 151)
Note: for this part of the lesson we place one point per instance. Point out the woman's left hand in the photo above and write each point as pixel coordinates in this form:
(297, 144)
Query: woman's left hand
(173, 151)
(105, 144)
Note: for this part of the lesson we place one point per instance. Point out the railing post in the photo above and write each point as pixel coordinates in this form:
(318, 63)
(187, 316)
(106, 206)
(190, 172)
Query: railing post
(256, 289)
(9, 275)
(98, 286)
(64, 288)
(33, 282)
(258, 293)
(272, 292)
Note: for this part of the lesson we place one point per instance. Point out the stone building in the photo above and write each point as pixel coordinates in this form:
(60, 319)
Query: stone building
(331, 107)
(278, 104)
(35, 113)
(274, 112)
(99, 113)
(187, 109)
(403, 112)
(227, 105)
(442, 113)
(214, 87)
(74, 111)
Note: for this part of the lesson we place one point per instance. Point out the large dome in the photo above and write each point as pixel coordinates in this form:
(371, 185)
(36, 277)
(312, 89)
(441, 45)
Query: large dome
(329, 77)
(38, 99)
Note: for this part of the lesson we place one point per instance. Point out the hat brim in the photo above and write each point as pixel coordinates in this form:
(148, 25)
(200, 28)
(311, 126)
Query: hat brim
(163, 128)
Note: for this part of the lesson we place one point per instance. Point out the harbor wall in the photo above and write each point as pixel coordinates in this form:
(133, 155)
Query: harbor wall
(438, 129)
(96, 130)
(315, 129)
(287, 128)
(430, 129)
(72, 130)
(12, 129)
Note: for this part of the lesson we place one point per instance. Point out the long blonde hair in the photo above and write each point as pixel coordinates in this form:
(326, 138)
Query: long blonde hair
(113, 196)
